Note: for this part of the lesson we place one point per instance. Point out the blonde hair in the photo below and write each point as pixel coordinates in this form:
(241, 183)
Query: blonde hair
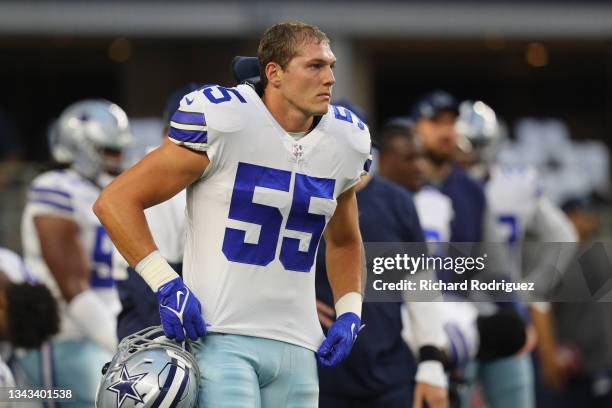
(280, 44)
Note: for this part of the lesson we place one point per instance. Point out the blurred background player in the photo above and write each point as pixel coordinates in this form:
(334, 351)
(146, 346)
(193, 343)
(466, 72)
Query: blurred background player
(515, 207)
(518, 207)
(467, 335)
(67, 249)
(28, 318)
(434, 116)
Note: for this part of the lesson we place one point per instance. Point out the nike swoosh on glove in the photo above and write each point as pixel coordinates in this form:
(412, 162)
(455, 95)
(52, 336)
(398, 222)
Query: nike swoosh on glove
(340, 338)
(180, 311)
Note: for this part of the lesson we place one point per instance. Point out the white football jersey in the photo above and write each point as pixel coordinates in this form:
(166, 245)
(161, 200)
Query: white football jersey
(64, 193)
(512, 197)
(435, 212)
(515, 207)
(255, 219)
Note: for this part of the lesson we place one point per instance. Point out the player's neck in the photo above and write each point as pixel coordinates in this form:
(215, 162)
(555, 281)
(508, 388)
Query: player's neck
(288, 116)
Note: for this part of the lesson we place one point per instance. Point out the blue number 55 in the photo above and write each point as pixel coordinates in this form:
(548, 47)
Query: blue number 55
(270, 219)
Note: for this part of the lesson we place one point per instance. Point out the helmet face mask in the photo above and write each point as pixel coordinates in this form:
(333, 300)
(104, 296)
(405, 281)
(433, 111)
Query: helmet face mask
(85, 132)
(149, 370)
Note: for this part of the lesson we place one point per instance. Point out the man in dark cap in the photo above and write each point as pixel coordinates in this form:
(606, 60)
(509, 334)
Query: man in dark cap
(434, 115)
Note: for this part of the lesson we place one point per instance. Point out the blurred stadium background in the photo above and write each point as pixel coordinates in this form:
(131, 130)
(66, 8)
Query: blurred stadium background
(546, 60)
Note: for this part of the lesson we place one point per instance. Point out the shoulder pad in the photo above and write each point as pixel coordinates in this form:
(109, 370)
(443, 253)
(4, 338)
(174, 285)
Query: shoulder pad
(344, 124)
(223, 107)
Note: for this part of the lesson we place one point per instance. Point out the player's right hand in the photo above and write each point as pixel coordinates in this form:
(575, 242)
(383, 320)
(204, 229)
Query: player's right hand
(180, 311)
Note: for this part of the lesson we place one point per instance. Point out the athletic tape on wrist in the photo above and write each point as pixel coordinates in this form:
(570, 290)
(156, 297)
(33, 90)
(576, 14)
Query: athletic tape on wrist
(431, 372)
(350, 302)
(155, 270)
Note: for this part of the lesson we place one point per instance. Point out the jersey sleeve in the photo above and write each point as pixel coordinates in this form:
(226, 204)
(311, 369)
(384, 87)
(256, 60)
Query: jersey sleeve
(188, 124)
(359, 156)
(363, 152)
(49, 195)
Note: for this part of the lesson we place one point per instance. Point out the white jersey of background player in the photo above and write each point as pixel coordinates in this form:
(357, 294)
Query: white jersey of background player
(267, 267)
(66, 246)
(435, 214)
(515, 204)
(66, 194)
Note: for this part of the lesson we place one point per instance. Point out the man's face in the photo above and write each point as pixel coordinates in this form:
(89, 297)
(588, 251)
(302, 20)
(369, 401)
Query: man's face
(402, 163)
(307, 81)
(438, 135)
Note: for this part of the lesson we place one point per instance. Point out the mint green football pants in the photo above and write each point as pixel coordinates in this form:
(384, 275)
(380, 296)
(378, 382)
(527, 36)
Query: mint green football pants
(253, 372)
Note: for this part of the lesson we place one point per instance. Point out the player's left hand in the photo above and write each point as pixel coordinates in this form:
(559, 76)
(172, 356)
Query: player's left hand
(340, 338)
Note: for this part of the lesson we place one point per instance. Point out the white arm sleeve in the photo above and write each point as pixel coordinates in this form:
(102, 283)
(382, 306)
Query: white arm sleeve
(426, 328)
(95, 319)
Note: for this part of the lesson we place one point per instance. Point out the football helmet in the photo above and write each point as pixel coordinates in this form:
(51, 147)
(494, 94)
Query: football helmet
(480, 131)
(91, 135)
(149, 370)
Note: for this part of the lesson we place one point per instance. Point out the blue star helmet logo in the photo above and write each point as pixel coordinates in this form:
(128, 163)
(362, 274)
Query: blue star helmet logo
(126, 387)
(84, 117)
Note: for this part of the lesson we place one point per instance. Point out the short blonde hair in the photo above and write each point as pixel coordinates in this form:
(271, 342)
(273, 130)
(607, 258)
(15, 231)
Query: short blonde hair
(280, 43)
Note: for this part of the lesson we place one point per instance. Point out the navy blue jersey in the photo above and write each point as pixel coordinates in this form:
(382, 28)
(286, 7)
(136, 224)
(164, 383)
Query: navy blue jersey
(469, 204)
(380, 359)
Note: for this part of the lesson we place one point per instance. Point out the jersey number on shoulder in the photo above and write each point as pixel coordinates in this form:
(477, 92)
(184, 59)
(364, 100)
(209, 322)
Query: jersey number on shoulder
(101, 276)
(346, 115)
(218, 94)
(301, 219)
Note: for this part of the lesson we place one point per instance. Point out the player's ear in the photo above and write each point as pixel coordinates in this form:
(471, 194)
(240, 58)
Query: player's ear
(274, 73)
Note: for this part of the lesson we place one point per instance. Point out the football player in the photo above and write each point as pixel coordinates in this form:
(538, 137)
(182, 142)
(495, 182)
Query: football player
(516, 207)
(266, 177)
(67, 248)
(28, 318)
(466, 335)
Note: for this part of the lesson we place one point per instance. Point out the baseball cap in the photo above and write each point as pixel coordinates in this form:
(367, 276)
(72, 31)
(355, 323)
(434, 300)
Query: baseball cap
(430, 104)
